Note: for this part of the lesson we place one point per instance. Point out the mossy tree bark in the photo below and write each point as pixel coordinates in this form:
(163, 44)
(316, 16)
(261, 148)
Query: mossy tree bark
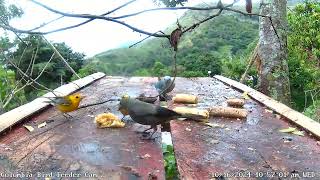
(273, 71)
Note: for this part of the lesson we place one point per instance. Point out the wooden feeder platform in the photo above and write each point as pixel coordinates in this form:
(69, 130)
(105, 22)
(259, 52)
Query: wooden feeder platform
(232, 149)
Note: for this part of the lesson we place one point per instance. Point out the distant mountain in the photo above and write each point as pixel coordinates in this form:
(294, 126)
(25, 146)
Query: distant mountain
(226, 35)
(229, 32)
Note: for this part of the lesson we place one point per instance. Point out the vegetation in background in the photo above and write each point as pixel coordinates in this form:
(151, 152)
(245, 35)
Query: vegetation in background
(230, 36)
(304, 57)
(7, 80)
(169, 162)
(32, 56)
(7, 84)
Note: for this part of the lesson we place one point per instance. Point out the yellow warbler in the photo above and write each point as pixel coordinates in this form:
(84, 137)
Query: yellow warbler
(67, 103)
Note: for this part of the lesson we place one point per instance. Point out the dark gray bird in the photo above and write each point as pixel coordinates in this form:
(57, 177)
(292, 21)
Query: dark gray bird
(146, 113)
(164, 86)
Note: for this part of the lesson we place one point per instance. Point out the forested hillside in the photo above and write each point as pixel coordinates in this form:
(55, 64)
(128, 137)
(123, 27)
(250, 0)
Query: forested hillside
(220, 38)
(223, 46)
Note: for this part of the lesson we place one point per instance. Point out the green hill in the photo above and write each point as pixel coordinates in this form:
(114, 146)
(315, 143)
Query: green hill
(226, 35)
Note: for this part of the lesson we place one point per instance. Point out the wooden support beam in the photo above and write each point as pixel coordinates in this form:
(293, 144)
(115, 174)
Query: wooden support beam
(12, 117)
(292, 115)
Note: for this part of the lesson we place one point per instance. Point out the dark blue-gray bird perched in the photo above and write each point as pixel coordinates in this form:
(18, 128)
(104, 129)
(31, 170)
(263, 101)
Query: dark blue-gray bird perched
(164, 86)
(149, 114)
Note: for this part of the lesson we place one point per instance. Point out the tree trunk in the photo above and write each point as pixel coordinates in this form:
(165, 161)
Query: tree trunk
(273, 72)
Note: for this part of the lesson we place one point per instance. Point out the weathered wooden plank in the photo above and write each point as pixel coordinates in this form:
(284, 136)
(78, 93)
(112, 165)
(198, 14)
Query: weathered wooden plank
(294, 116)
(239, 148)
(77, 147)
(12, 117)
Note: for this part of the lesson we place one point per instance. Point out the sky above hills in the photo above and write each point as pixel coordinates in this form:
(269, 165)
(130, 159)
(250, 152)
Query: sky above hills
(99, 35)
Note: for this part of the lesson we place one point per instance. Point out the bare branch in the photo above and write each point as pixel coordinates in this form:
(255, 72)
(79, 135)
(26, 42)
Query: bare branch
(143, 40)
(261, 15)
(202, 21)
(24, 50)
(28, 83)
(86, 16)
(45, 24)
(114, 10)
(90, 17)
(166, 9)
(10, 28)
(175, 8)
(244, 13)
(61, 57)
(25, 75)
(85, 22)
(5, 24)
(114, 19)
(34, 59)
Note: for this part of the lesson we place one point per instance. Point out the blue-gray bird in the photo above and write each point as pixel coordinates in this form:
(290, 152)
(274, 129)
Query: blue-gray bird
(149, 114)
(164, 86)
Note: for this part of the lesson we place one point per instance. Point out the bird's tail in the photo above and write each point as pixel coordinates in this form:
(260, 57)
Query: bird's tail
(195, 117)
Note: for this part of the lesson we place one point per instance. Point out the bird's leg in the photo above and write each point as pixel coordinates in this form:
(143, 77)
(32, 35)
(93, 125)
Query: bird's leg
(162, 97)
(67, 116)
(166, 97)
(145, 131)
(150, 135)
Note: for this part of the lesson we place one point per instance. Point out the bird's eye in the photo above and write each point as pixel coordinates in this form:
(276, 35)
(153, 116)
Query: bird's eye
(77, 97)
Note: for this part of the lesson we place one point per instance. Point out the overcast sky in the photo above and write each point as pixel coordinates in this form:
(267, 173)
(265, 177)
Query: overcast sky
(96, 36)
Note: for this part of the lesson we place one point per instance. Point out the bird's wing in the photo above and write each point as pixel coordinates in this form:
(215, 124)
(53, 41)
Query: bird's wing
(145, 109)
(139, 108)
(168, 83)
(157, 85)
(60, 100)
(165, 112)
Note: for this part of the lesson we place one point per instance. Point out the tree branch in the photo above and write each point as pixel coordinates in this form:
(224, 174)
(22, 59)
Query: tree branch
(168, 9)
(28, 83)
(114, 19)
(46, 23)
(202, 21)
(82, 23)
(61, 57)
(90, 17)
(143, 40)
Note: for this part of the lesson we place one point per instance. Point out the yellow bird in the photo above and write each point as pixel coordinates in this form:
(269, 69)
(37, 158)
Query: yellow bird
(67, 103)
(124, 111)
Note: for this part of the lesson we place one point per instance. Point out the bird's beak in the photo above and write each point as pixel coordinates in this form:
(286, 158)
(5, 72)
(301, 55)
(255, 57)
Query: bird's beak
(83, 96)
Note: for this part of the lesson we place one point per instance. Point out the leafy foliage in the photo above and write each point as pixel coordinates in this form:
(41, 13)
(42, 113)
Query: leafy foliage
(304, 52)
(199, 51)
(8, 12)
(171, 3)
(7, 85)
(7, 80)
(233, 66)
(199, 65)
(313, 111)
(33, 55)
(169, 162)
(159, 69)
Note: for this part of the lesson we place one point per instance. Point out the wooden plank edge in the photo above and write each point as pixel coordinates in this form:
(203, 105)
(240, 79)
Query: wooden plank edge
(14, 116)
(292, 115)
